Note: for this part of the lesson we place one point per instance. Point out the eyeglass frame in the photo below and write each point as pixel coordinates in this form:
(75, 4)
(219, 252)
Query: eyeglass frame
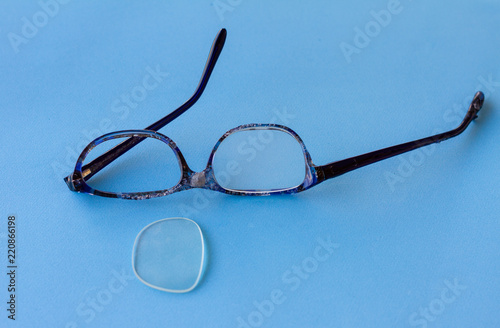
(205, 179)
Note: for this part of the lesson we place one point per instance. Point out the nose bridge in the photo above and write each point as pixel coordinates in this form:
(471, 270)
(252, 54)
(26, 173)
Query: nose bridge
(198, 179)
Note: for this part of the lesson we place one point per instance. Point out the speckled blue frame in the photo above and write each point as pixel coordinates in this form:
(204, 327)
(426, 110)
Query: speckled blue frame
(189, 179)
(206, 179)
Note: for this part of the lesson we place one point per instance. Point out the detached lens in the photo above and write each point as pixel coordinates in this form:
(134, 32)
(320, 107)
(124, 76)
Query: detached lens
(169, 255)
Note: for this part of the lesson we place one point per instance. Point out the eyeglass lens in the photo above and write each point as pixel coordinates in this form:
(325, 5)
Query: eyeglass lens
(259, 159)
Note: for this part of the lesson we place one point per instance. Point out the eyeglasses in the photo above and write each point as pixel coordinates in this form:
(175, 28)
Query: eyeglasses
(250, 160)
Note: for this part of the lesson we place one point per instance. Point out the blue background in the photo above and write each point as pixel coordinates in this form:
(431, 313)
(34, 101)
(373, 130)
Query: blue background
(406, 228)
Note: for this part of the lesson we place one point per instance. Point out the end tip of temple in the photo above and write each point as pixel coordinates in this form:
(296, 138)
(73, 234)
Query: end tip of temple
(218, 44)
(477, 103)
(222, 34)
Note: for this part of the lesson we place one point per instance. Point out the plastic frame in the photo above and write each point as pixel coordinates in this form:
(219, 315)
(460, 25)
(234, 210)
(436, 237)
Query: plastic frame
(206, 178)
(190, 179)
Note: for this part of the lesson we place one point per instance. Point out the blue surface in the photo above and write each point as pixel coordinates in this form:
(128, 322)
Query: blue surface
(415, 233)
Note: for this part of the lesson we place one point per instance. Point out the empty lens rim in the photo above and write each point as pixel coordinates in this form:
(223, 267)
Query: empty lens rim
(78, 175)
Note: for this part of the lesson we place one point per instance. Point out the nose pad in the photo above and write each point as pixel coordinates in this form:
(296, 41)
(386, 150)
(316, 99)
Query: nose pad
(197, 180)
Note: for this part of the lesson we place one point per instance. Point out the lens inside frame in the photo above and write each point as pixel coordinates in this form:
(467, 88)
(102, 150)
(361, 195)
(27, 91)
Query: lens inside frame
(259, 159)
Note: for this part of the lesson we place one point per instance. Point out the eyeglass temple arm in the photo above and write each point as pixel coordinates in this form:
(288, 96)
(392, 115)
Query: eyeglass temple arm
(102, 161)
(335, 169)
